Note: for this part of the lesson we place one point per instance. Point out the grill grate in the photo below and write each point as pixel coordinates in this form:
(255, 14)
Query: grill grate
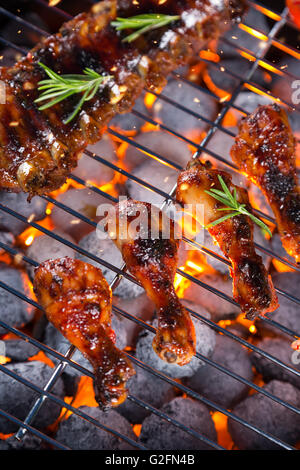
(259, 59)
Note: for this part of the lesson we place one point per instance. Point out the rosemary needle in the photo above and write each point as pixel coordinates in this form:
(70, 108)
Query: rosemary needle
(231, 204)
(59, 87)
(142, 23)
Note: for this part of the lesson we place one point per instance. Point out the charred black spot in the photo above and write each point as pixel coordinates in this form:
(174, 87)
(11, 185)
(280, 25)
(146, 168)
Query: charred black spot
(292, 208)
(242, 227)
(153, 249)
(253, 273)
(278, 184)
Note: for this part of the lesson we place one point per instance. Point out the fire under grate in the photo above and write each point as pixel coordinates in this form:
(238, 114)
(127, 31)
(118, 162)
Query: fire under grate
(257, 60)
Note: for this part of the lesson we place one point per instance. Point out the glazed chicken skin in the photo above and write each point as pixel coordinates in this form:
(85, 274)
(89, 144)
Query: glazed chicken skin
(265, 151)
(38, 150)
(252, 287)
(77, 301)
(150, 254)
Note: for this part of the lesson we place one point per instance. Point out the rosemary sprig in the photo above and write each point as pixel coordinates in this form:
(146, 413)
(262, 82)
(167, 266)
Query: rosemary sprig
(59, 87)
(231, 204)
(142, 23)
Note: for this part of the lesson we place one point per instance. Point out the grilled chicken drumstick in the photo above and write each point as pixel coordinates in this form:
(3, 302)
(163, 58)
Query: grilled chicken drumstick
(252, 287)
(264, 149)
(38, 149)
(145, 237)
(77, 300)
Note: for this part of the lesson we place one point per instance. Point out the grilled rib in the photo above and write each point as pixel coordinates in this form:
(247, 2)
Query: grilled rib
(38, 151)
(77, 300)
(252, 287)
(264, 149)
(146, 238)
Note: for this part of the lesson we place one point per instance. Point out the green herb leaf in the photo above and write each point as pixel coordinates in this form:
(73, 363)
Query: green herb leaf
(142, 23)
(231, 204)
(60, 87)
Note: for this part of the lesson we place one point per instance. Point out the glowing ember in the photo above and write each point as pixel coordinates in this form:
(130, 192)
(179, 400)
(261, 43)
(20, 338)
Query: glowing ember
(29, 240)
(294, 7)
(31, 233)
(252, 329)
(52, 3)
(296, 345)
(195, 265)
(246, 323)
(253, 32)
(224, 95)
(137, 429)
(85, 396)
(5, 436)
(41, 356)
(4, 360)
(209, 55)
(221, 425)
(149, 100)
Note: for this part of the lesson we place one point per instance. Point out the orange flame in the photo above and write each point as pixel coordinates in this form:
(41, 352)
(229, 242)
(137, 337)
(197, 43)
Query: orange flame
(221, 425)
(53, 3)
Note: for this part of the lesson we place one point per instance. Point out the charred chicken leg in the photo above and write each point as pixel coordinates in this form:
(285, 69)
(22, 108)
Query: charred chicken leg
(77, 300)
(39, 147)
(264, 149)
(252, 288)
(145, 237)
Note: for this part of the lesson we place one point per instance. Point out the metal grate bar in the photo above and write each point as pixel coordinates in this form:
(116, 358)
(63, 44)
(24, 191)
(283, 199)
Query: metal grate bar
(34, 431)
(200, 317)
(120, 272)
(198, 355)
(63, 404)
(162, 376)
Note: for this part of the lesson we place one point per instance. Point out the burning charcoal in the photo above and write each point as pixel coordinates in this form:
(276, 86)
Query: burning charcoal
(19, 350)
(106, 250)
(45, 247)
(152, 171)
(141, 307)
(205, 346)
(79, 434)
(288, 312)
(249, 101)
(129, 121)
(84, 201)
(29, 442)
(240, 38)
(91, 170)
(283, 85)
(281, 349)
(268, 416)
(159, 434)
(219, 308)
(161, 143)
(7, 238)
(34, 210)
(191, 98)
(4, 445)
(218, 386)
(14, 311)
(17, 399)
(156, 394)
(224, 76)
(221, 143)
